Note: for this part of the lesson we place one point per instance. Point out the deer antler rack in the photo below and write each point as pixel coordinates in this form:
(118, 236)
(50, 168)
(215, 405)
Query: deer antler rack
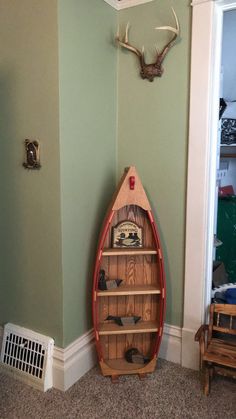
(149, 71)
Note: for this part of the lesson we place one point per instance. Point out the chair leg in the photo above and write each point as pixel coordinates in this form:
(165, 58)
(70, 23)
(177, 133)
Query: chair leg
(206, 381)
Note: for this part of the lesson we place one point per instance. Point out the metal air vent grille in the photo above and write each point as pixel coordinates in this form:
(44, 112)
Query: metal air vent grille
(24, 354)
(28, 354)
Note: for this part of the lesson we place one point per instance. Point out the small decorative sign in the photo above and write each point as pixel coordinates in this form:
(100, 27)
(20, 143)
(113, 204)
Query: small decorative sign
(127, 234)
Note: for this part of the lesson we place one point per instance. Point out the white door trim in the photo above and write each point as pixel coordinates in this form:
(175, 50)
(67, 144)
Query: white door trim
(202, 154)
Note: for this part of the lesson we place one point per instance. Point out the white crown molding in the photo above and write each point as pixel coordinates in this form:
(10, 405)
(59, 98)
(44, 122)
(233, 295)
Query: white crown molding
(124, 4)
(71, 363)
(226, 3)
(196, 2)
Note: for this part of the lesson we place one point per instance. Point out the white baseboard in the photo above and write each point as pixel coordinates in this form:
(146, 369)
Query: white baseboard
(171, 344)
(190, 350)
(71, 363)
(75, 360)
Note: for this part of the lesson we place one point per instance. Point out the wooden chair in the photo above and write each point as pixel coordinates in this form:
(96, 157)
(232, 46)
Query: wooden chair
(217, 343)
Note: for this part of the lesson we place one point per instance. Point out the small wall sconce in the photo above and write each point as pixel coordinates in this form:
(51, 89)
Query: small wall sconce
(32, 155)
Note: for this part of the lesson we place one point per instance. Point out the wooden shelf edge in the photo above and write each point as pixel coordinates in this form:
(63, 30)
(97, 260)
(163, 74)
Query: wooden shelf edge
(122, 367)
(130, 251)
(105, 329)
(228, 155)
(130, 290)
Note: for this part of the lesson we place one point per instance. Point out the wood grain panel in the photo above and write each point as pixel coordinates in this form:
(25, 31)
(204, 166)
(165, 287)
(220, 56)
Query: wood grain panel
(121, 309)
(140, 292)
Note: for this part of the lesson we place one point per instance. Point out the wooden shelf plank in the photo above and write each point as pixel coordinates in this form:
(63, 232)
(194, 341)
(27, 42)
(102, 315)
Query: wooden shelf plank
(223, 330)
(140, 327)
(122, 364)
(129, 251)
(130, 290)
(228, 155)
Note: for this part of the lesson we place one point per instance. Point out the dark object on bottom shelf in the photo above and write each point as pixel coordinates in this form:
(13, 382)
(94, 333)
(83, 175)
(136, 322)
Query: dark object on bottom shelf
(121, 321)
(133, 355)
(109, 284)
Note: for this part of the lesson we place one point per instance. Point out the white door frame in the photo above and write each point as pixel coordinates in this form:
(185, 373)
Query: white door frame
(207, 22)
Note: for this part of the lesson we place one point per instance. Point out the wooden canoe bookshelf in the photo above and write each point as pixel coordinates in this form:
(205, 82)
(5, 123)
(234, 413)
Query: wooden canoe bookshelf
(142, 291)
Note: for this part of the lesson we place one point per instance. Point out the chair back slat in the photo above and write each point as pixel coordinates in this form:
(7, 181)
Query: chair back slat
(222, 319)
(218, 354)
(210, 322)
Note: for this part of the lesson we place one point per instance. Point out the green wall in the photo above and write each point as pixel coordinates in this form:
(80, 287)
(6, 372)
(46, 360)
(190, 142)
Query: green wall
(152, 129)
(30, 253)
(87, 63)
(64, 82)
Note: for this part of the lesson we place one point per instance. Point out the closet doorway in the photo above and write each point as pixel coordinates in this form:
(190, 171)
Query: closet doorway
(207, 24)
(224, 257)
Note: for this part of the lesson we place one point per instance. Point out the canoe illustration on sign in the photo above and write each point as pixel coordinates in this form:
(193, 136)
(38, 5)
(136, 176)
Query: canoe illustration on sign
(129, 315)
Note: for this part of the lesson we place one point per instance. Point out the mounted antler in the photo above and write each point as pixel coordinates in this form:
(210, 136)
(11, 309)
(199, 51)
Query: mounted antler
(149, 71)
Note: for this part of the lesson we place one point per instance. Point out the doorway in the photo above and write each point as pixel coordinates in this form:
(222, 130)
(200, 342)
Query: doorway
(225, 246)
(207, 23)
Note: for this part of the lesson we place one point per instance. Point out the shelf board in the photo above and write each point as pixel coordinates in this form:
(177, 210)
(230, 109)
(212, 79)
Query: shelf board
(130, 290)
(228, 151)
(122, 364)
(228, 145)
(129, 251)
(140, 327)
(228, 155)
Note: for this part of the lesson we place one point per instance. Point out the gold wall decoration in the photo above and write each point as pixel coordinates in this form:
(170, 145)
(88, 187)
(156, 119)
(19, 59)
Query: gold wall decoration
(32, 155)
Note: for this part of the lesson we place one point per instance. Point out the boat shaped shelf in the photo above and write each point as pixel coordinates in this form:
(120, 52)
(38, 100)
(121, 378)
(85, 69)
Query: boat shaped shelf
(129, 249)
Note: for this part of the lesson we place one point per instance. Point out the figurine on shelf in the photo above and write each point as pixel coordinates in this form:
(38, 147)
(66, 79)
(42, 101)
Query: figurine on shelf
(107, 284)
(122, 321)
(133, 355)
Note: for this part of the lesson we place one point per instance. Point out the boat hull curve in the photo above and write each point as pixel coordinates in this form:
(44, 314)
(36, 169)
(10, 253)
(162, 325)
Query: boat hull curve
(142, 292)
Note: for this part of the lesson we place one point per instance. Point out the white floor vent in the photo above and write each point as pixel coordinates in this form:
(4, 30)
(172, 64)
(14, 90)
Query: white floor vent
(28, 356)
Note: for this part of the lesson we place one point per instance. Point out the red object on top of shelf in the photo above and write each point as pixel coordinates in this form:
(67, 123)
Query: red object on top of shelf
(132, 182)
